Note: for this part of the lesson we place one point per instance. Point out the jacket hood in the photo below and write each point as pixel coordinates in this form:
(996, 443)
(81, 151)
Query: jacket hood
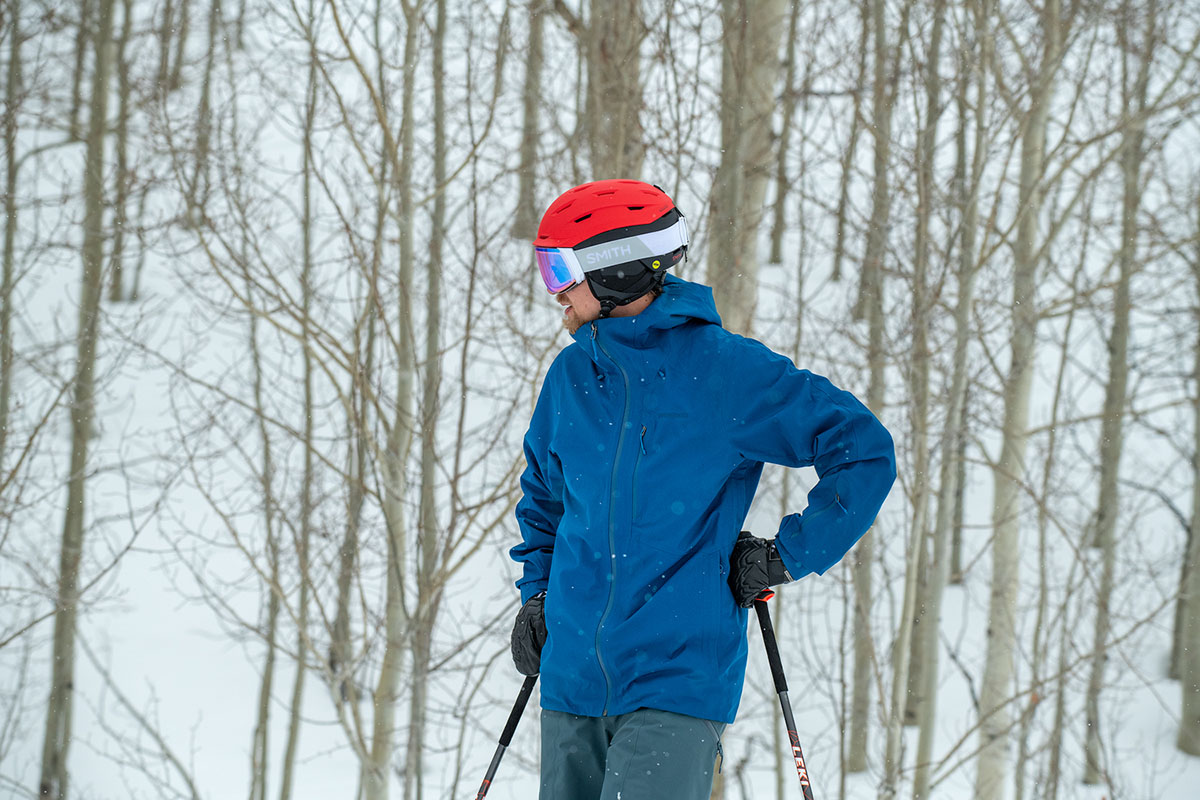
(680, 303)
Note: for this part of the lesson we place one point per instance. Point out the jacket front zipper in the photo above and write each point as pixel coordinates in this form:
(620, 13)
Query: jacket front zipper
(612, 524)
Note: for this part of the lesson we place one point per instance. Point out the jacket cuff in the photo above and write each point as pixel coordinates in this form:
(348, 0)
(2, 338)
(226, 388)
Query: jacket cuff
(530, 588)
(791, 561)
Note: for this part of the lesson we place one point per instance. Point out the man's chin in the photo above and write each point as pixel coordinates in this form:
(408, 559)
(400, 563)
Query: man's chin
(573, 322)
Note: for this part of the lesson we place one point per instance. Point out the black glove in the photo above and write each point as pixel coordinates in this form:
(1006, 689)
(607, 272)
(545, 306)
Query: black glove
(754, 567)
(529, 635)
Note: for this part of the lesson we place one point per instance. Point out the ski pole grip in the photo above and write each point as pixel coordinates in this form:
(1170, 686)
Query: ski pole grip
(768, 634)
(518, 709)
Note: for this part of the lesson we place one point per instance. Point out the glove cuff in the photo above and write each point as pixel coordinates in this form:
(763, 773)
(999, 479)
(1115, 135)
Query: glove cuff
(777, 571)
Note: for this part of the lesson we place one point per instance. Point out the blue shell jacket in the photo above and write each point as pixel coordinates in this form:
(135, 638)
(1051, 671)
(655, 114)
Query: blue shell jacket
(643, 454)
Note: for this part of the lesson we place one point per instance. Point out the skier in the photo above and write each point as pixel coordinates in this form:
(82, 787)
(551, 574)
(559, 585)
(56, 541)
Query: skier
(643, 454)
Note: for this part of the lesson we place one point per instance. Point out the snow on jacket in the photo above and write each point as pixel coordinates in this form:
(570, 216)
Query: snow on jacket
(643, 455)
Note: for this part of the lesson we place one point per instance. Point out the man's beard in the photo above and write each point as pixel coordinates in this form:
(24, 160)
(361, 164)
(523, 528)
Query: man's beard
(572, 322)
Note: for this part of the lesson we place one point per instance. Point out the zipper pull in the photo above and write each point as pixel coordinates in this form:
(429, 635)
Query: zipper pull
(593, 330)
(642, 439)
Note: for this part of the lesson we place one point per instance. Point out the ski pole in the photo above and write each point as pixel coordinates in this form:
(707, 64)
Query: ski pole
(768, 635)
(506, 736)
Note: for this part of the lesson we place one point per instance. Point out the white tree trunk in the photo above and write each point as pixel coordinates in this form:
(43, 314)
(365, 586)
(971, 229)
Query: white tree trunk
(847, 166)
(198, 189)
(11, 104)
(997, 684)
(260, 741)
(303, 642)
(871, 305)
(175, 80)
(904, 693)
(428, 578)
(123, 177)
(613, 42)
(526, 220)
(779, 215)
(967, 184)
(1189, 652)
(1112, 426)
(57, 740)
(83, 38)
(750, 71)
(378, 767)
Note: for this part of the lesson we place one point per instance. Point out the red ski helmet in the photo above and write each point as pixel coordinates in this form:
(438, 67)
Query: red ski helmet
(621, 235)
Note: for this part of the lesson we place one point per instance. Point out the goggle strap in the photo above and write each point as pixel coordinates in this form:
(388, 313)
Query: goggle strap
(632, 248)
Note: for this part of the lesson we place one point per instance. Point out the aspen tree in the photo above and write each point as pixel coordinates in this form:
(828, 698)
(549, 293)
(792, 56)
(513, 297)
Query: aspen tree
(239, 27)
(1188, 739)
(428, 542)
(260, 739)
(399, 427)
(198, 190)
(175, 78)
(83, 38)
(123, 177)
(267, 500)
(750, 71)
(362, 373)
(304, 539)
(57, 741)
(164, 48)
(615, 31)
(960, 490)
(919, 372)
(7, 277)
(903, 690)
(967, 177)
(1009, 472)
(526, 219)
(1043, 629)
(871, 291)
(610, 40)
(839, 241)
(1112, 426)
(779, 215)
(1173, 665)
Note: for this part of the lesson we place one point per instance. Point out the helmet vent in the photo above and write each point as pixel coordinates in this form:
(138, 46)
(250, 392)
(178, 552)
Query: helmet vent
(581, 219)
(636, 208)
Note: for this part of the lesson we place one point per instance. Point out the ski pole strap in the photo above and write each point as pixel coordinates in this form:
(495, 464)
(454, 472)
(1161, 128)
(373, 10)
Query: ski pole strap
(768, 634)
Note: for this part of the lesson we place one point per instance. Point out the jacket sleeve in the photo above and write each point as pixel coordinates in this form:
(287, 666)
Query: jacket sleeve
(792, 417)
(540, 507)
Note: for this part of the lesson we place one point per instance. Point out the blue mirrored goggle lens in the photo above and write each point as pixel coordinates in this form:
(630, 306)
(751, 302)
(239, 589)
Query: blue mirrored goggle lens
(556, 274)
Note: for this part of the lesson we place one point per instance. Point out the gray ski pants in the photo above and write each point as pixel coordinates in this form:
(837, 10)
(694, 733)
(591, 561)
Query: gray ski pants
(643, 755)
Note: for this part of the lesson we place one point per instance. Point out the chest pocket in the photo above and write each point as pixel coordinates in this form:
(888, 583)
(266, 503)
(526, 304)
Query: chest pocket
(661, 496)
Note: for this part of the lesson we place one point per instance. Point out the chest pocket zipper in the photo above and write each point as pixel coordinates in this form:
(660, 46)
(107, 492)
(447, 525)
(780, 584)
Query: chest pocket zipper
(636, 467)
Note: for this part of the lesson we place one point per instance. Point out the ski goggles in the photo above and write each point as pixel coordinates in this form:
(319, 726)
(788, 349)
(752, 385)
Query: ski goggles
(563, 267)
